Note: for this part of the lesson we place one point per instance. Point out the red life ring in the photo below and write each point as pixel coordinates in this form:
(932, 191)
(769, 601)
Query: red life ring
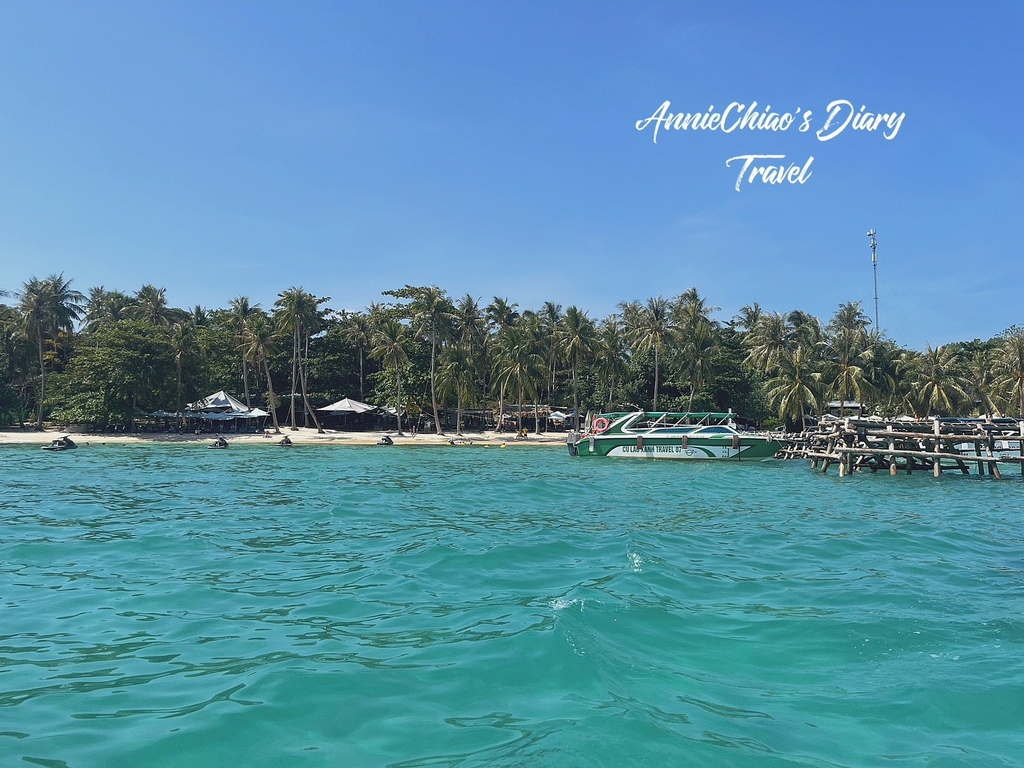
(601, 424)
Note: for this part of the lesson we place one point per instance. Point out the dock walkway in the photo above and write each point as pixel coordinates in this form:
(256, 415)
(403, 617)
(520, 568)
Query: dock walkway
(938, 444)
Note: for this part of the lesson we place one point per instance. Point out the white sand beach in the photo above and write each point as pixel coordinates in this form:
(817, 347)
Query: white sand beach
(301, 436)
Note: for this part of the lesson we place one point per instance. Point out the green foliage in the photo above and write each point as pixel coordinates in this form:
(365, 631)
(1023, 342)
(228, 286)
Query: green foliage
(121, 368)
(134, 352)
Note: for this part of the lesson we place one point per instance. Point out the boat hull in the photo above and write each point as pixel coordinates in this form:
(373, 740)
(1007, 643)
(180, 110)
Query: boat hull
(747, 449)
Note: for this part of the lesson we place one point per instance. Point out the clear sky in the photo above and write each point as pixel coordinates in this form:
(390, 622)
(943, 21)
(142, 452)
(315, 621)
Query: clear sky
(221, 148)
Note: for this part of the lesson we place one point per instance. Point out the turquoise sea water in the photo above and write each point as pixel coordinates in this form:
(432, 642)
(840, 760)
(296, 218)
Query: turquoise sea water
(337, 606)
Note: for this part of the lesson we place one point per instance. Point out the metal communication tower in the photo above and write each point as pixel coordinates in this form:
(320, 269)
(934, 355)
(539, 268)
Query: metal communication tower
(874, 267)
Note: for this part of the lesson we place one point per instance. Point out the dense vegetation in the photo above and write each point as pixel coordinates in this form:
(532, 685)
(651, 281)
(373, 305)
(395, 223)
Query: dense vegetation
(104, 358)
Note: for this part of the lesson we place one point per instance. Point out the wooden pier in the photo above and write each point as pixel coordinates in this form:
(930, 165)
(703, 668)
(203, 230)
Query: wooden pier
(939, 445)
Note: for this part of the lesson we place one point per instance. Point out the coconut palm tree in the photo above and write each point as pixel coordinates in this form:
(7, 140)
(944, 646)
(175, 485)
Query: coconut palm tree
(805, 328)
(937, 380)
(649, 327)
(610, 355)
(501, 315)
(298, 315)
(551, 318)
(519, 363)
(432, 318)
(150, 306)
(1010, 367)
(455, 376)
(356, 329)
(183, 345)
(105, 306)
(748, 317)
(258, 340)
(241, 310)
(768, 339)
(577, 339)
(470, 333)
(696, 352)
(846, 341)
(48, 307)
(796, 386)
(391, 347)
(981, 381)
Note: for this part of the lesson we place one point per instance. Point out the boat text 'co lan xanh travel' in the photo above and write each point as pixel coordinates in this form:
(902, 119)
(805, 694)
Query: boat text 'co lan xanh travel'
(664, 435)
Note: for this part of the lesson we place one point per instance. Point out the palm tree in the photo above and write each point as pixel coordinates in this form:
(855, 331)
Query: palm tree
(105, 306)
(470, 332)
(455, 376)
(431, 316)
(298, 314)
(501, 315)
(182, 339)
(610, 354)
(691, 309)
(150, 306)
(241, 311)
(356, 329)
(391, 347)
(697, 350)
(981, 381)
(795, 387)
(937, 380)
(259, 337)
(1010, 367)
(768, 339)
(577, 340)
(748, 317)
(805, 328)
(551, 318)
(847, 340)
(880, 363)
(48, 307)
(519, 363)
(648, 327)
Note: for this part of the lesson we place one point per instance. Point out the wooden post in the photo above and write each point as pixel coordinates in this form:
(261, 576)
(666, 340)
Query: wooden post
(937, 462)
(1020, 446)
(993, 468)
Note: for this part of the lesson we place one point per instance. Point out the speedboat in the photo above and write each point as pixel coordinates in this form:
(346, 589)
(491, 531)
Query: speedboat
(671, 435)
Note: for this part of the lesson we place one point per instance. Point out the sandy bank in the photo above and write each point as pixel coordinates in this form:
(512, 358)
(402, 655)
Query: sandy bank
(301, 436)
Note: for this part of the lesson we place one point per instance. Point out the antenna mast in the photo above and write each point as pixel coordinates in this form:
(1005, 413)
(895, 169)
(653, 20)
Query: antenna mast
(874, 268)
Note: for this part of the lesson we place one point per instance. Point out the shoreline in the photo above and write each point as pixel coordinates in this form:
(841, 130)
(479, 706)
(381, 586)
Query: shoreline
(301, 436)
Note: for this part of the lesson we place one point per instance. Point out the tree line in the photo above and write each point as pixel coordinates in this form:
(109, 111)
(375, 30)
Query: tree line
(103, 358)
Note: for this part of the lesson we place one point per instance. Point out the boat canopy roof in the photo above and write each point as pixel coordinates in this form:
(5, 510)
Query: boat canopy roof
(697, 416)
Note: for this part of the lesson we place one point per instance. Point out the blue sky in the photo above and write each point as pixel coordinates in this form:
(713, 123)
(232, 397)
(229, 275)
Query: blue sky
(221, 149)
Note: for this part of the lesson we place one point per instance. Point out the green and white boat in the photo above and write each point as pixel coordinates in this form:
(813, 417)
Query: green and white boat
(666, 435)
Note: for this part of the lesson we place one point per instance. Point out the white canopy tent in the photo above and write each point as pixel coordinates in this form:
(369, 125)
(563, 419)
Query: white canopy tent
(220, 406)
(347, 405)
(218, 402)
